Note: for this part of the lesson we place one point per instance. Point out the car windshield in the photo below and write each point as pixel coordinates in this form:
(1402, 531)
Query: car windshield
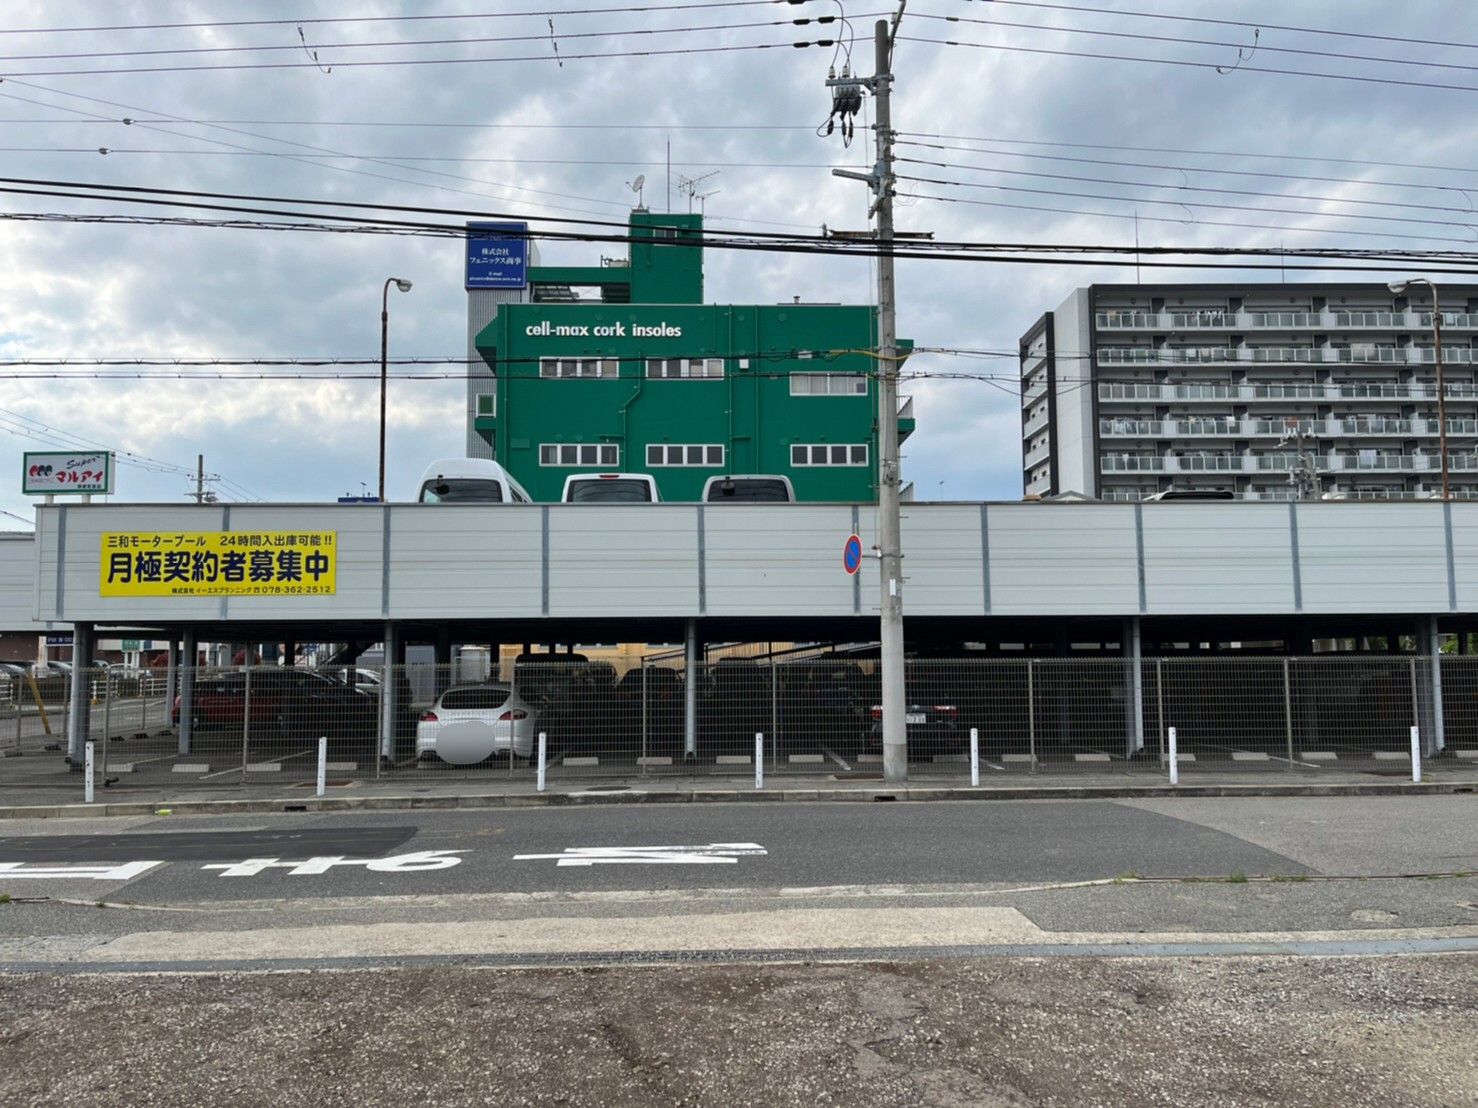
(461, 490)
(608, 489)
(749, 489)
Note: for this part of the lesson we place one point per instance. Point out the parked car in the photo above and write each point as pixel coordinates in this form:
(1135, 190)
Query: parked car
(646, 712)
(932, 720)
(748, 487)
(822, 702)
(290, 703)
(610, 488)
(514, 722)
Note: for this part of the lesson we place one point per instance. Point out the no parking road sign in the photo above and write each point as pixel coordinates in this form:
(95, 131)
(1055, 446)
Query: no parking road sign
(852, 554)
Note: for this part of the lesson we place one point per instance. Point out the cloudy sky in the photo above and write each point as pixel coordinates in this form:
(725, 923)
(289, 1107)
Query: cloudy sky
(1313, 124)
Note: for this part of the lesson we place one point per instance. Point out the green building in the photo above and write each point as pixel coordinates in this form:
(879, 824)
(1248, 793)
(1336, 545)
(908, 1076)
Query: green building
(621, 367)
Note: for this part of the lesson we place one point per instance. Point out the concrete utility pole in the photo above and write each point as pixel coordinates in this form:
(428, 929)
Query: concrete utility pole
(1303, 476)
(890, 545)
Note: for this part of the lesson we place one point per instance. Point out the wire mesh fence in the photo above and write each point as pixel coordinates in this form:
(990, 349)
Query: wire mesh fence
(748, 710)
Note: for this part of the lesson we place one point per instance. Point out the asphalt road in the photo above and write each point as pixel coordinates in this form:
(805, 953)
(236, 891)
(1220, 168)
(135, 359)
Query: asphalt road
(1031, 954)
(698, 879)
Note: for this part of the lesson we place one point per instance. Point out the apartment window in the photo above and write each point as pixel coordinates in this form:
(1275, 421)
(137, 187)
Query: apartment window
(579, 367)
(828, 454)
(828, 384)
(599, 454)
(685, 367)
(684, 454)
(487, 404)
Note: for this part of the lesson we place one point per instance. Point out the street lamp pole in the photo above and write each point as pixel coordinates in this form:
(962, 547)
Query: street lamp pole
(404, 286)
(1400, 287)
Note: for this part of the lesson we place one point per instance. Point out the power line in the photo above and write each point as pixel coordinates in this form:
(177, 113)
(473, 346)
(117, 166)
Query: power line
(1241, 68)
(686, 5)
(617, 232)
(1161, 17)
(1257, 46)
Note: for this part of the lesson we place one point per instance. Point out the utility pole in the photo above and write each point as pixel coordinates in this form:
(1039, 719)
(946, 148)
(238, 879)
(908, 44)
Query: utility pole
(890, 552)
(1303, 476)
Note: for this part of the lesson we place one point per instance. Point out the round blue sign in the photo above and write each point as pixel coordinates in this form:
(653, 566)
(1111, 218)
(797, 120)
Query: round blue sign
(852, 554)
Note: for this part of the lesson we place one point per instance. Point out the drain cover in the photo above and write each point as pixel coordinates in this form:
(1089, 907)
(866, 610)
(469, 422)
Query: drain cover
(856, 776)
(608, 789)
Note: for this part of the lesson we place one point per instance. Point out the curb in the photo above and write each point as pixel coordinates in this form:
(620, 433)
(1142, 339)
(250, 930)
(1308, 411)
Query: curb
(471, 801)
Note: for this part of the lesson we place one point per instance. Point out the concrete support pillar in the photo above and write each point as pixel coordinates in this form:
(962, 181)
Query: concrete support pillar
(690, 690)
(190, 655)
(171, 676)
(445, 677)
(1133, 687)
(389, 690)
(1430, 644)
(79, 717)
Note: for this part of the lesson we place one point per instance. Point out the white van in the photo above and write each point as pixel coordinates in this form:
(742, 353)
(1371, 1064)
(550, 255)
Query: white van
(469, 481)
(738, 487)
(610, 488)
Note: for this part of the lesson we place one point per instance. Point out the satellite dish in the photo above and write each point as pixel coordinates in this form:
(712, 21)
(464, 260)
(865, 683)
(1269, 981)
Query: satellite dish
(636, 187)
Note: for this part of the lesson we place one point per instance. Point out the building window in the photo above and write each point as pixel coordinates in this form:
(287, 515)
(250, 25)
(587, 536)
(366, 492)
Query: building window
(603, 455)
(828, 454)
(685, 367)
(579, 367)
(828, 384)
(487, 404)
(684, 454)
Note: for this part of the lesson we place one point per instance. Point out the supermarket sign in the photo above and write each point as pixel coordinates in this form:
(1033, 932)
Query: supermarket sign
(219, 563)
(49, 473)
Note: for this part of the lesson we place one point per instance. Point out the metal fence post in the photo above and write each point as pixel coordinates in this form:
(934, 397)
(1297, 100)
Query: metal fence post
(1288, 711)
(246, 719)
(1416, 754)
(759, 759)
(87, 770)
(1174, 759)
(1031, 714)
(322, 764)
(974, 756)
(543, 751)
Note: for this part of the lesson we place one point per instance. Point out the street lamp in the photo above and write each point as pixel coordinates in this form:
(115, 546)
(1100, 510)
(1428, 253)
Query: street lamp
(404, 286)
(1399, 287)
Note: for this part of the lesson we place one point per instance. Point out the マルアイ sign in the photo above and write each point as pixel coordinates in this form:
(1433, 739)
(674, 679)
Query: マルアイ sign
(219, 563)
(51, 473)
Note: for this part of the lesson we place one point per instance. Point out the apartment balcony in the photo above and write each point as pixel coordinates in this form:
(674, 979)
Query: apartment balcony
(1211, 319)
(1284, 355)
(1366, 461)
(1193, 392)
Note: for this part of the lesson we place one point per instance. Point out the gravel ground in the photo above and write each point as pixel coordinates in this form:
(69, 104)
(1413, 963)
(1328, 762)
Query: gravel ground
(984, 1033)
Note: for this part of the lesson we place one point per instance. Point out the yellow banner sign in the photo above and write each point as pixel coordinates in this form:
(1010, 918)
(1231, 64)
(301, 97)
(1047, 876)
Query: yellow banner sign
(219, 563)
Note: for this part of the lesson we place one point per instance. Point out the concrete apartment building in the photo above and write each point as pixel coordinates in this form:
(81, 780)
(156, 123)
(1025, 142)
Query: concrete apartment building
(1263, 391)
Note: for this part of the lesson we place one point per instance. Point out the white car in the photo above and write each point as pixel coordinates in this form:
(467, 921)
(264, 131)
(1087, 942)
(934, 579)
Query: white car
(512, 722)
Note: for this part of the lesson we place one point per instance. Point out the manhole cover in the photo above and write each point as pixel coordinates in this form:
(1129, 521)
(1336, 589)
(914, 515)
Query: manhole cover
(856, 776)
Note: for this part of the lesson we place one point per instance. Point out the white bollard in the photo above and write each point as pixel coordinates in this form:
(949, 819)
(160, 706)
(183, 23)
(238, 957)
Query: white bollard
(974, 756)
(322, 764)
(87, 776)
(759, 759)
(543, 750)
(1416, 754)
(1174, 760)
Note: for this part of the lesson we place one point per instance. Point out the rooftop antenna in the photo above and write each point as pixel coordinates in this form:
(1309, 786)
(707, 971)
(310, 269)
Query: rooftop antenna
(690, 185)
(636, 187)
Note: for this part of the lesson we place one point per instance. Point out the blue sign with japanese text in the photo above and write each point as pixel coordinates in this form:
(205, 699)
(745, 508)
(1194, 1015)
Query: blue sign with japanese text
(497, 255)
